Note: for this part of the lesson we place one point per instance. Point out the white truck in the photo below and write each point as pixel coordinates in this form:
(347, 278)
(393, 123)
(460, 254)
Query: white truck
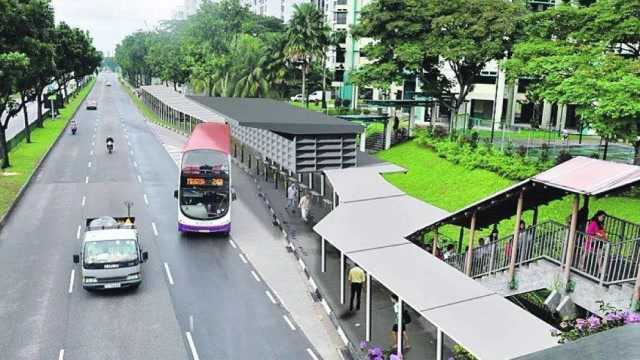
(111, 254)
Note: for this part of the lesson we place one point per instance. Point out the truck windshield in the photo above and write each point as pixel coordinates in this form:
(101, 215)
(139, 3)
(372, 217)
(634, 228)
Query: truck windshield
(110, 251)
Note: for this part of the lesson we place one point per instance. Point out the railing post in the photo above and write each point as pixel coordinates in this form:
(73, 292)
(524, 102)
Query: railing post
(469, 256)
(570, 242)
(516, 236)
(493, 256)
(605, 262)
(435, 241)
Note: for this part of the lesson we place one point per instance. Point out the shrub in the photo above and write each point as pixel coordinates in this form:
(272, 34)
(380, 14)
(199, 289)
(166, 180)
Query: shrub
(562, 157)
(438, 132)
(521, 151)
(578, 328)
(346, 103)
(544, 152)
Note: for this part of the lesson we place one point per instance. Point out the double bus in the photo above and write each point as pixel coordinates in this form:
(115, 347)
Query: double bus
(205, 193)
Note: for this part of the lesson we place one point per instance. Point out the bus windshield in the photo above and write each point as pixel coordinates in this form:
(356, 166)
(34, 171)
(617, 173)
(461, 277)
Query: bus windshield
(110, 251)
(204, 183)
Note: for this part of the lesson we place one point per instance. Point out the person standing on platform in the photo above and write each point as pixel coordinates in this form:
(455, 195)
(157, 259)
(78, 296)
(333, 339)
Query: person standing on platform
(356, 278)
(292, 195)
(305, 206)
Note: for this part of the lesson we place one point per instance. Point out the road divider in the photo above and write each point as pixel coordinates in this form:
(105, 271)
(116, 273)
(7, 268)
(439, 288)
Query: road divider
(168, 272)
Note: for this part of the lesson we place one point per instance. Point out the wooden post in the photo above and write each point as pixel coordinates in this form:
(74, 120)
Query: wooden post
(435, 241)
(470, 251)
(572, 238)
(516, 235)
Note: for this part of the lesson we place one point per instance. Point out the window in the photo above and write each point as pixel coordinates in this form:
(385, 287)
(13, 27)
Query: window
(341, 2)
(341, 18)
(340, 52)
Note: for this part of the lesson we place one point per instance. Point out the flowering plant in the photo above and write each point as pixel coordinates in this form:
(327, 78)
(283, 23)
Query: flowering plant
(578, 328)
(460, 353)
(376, 352)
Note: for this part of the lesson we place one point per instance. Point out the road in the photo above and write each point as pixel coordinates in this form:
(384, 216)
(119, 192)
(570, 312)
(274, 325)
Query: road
(199, 298)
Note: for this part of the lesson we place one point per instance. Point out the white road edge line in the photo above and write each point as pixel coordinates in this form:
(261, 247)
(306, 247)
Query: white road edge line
(155, 229)
(192, 346)
(86, 180)
(244, 260)
(146, 199)
(279, 298)
(78, 232)
(273, 300)
(293, 328)
(73, 275)
(139, 179)
(84, 200)
(168, 271)
(89, 164)
(91, 153)
(135, 164)
(232, 244)
(61, 355)
(255, 276)
(312, 354)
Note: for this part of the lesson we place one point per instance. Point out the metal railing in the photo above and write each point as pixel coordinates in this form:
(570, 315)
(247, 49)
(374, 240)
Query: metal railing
(600, 260)
(620, 230)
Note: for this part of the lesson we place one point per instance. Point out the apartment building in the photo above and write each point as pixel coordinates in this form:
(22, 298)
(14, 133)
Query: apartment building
(488, 102)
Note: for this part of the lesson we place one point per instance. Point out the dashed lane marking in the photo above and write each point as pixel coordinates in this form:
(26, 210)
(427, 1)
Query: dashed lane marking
(61, 354)
(91, 153)
(146, 199)
(255, 276)
(286, 318)
(273, 300)
(139, 179)
(244, 260)
(192, 347)
(232, 244)
(78, 232)
(312, 354)
(155, 229)
(168, 271)
(86, 180)
(135, 164)
(84, 199)
(73, 275)
(89, 164)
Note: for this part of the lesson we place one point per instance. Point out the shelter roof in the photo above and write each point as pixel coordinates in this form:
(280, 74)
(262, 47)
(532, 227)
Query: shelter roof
(364, 118)
(277, 116)
(404, 102)
(181, 103)
(362, 183)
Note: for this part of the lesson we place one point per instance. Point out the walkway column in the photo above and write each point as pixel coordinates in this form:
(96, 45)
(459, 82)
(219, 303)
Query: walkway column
(435, 241)
(399, 332)
(322, 192)
(516, 236)
(571, 240)
(388, 129)
(323, 261)
(546, 115)
(499, 98)
(367, 315)
(412, 121)
(438, 344)
(363, 140)
(470, 250)
(342, 277)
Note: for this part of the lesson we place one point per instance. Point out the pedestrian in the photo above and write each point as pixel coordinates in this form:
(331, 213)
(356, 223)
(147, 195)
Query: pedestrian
(494, 234)
(449, 252)
(439, 253)
(406, 319)
(396, 126)
(525, 242)
(356, 278)
(292, 195)
(594, 241)
(305, 206)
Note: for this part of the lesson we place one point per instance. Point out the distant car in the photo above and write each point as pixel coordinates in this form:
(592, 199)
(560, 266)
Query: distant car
(107, 84)
(316, 96)
(297, 97)
(92, 105)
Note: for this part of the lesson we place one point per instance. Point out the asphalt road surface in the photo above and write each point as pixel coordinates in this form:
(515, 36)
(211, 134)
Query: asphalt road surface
(199, 299)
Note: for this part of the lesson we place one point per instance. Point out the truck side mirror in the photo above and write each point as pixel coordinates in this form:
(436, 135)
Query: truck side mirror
(76, 258)
(145, 256)
(175, 194)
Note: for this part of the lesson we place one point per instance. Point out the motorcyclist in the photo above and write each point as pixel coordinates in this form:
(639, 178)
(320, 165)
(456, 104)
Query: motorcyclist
(74, 126)
(109, 143)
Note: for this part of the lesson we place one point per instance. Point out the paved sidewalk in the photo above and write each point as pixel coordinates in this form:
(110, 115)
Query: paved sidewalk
(268, 253)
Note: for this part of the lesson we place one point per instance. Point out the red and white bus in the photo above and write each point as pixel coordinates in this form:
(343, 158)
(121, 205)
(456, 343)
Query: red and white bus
(205, 192)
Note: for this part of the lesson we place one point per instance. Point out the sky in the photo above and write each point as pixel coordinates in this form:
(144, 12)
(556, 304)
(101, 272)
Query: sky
(109, 21)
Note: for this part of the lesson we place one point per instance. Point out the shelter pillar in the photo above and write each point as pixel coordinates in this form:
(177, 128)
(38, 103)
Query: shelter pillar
(499, 99)
(342, 282)
(571, 240)
(470, 250)
(367, 335)
(399, 333)
(516, 236)
(323, 250)
(363, 141)
(412, 121)
(322, 181)
(435, 241)
(438, 344)
(546, 115)
(388, 129)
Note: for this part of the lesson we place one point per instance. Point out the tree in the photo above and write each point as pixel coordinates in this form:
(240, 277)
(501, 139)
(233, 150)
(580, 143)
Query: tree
(13, 66)
(307, 38)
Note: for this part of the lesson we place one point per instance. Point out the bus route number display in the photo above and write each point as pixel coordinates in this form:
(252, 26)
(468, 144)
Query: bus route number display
(202, 181)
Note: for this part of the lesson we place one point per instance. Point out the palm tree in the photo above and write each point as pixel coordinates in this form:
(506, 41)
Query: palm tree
(307, 36)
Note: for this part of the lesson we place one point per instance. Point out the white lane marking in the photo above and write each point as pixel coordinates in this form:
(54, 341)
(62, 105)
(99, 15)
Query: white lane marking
(135, 164)
(139, 179)
(192, 347)
(93, 143)
(91, 153)
(78, 232)
(129, 144)
(278, 296)
(168, 271)
(155, 229)
(273, 300)
(131, 152)
(146, 199)
(244, 260)
(73, 275)
(61, 355)
(89, 164)
(255, 276)
(84, 199)
(289, 322)
(232, 244)
(86, 180)
(344, 338)
(326, 307)
(312, 354)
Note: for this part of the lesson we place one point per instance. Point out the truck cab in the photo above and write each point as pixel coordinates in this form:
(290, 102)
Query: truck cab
(111, 254)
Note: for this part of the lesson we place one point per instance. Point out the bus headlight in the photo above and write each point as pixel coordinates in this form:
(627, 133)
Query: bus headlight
(135, 276)
(90, 280)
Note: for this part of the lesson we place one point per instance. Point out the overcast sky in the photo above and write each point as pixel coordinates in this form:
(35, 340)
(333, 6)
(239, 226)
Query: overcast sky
(109, 21)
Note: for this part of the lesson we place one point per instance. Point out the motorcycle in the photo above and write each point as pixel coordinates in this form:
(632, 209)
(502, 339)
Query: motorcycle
(74, 129)
(110, 145)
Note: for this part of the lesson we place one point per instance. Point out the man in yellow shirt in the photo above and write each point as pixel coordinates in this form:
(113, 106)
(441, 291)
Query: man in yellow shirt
(356, 278)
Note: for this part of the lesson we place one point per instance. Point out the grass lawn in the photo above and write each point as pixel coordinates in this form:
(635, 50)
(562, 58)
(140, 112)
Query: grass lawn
(25, 157)
(451, 187)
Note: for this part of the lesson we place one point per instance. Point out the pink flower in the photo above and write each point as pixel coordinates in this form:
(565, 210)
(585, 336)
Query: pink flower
(594, 322)
(581, 324)
(632, 318)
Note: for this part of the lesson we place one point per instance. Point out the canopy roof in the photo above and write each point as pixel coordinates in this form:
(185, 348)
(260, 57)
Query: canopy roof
(277, 116)
(404, 102)
(580, 175)
(179, 102)
(365, 118)
(362, 183)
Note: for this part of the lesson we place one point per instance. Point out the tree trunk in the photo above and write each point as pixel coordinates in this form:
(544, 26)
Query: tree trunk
(304, 83)
(65, 91)
(606, 148)
(636, 152)
(175, 88)
(39, 120)
(210, 87)
(324, 82)
(25, 113)
(4, 150)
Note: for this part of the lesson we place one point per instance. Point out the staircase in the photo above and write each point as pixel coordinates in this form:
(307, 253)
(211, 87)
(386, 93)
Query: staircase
(375, 142)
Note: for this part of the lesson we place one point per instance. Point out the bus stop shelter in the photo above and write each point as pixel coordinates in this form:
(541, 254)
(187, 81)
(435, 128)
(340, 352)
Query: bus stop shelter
(374, 237)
